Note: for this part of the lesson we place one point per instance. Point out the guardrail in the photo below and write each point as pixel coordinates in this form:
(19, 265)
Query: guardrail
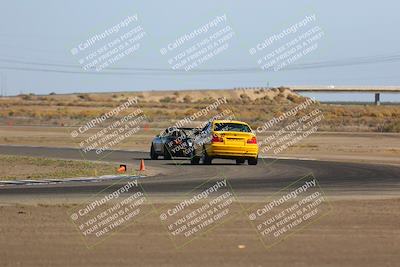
(348, 89)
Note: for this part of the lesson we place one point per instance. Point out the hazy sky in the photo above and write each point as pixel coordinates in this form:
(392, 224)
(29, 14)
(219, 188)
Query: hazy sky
(361, 40)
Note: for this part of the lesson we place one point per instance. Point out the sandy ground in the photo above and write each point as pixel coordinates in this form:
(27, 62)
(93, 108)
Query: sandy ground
(22, 167)
(356, 147)
(355, 233)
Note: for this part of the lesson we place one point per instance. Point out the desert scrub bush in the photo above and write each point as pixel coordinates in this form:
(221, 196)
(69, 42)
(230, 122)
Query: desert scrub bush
(392, 127)
(282, 89)
(168, 99)
(187, 99)
(206, 100)
(279, 98)
(263, 100)
(295, 98)
(26, 97)
(85, 97)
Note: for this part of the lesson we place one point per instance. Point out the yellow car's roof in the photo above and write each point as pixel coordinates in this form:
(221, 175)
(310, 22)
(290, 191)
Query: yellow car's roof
(229, 121)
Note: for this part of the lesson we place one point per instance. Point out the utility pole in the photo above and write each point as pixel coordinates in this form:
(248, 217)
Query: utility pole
(3, 84)
(377, 99)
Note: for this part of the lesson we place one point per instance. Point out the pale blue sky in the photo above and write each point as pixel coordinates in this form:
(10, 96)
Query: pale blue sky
(45, 31)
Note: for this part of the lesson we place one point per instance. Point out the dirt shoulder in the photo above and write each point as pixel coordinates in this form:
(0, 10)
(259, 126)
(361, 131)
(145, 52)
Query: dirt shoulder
(22, 167)
(354, 233)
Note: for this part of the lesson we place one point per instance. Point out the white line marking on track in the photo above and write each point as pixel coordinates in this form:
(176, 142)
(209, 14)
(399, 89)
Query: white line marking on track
(294, 158)
(68, 180)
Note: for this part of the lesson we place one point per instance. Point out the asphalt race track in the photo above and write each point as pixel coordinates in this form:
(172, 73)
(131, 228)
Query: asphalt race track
(178, 176)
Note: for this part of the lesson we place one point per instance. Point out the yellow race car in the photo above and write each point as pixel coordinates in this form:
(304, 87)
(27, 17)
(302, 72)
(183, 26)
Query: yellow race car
(225, 139)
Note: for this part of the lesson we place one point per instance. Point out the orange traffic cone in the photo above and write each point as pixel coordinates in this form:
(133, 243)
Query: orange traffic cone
(121, 169)
(142, 168)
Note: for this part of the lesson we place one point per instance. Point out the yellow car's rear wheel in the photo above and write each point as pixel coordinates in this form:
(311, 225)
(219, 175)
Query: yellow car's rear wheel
(252, 161)
(240, 161)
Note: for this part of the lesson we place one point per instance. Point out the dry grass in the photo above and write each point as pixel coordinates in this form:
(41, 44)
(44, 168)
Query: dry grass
(255, 106)
(21, 167)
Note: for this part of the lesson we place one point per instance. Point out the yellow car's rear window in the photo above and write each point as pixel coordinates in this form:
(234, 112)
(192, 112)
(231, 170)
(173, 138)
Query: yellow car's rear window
(231, 127)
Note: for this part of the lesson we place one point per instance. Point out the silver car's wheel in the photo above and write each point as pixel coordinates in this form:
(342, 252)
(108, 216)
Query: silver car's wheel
(205, 159)
(194, 160)
(153, 154)
(167, 154)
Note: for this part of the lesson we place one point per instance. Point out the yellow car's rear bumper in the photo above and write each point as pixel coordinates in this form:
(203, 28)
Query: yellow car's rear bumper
(222, 150)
